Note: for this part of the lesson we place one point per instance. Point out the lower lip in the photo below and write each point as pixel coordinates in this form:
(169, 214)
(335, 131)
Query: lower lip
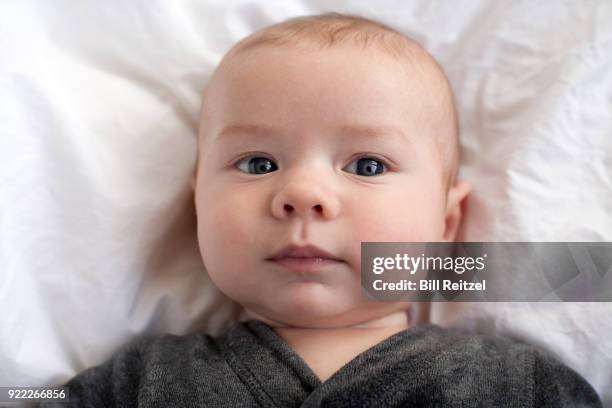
(306, 264)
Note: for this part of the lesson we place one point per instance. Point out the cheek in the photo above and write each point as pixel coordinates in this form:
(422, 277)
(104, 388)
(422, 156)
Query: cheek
(394, 218)
(225, 234)
(400, 216)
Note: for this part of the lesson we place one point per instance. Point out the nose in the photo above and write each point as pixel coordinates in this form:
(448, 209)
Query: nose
(305, 199)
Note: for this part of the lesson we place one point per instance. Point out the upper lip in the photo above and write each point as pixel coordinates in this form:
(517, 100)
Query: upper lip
(304, 251)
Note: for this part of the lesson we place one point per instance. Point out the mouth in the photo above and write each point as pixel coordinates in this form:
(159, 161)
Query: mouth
(308, 258)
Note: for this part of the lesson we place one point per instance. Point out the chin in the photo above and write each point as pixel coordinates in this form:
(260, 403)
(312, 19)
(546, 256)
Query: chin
(314, 305)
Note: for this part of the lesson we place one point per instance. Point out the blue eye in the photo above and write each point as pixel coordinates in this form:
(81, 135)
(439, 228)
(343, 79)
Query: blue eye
(366, 167)
(257, 165)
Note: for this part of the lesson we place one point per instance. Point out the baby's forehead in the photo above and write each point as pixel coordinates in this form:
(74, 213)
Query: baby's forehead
(257, 97)
(371, 79)
(345, 75)
(339, 135)
(415, 62)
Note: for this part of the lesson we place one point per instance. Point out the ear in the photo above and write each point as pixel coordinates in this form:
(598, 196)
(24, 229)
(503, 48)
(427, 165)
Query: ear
(455, 208)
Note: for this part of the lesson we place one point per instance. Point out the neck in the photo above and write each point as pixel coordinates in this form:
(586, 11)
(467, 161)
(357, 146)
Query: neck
(398, 320)
(326, 350)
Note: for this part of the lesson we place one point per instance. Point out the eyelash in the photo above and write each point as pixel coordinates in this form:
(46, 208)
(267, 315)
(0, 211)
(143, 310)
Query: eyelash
(250, 154)
(386, 163)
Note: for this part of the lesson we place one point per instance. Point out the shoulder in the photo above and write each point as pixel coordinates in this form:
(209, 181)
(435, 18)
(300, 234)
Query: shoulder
(455, 345)
(557, 385)
(508, 364)
(171, 348)
(142, 366)
(144, 351)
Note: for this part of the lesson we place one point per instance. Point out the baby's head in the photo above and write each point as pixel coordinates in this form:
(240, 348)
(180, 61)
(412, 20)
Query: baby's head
(325, 131)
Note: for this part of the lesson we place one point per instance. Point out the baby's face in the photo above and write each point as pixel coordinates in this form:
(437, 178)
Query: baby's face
(326, 148)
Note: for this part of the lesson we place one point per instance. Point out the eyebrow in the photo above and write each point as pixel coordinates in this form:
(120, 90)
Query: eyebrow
(354, 131)
(246, 129)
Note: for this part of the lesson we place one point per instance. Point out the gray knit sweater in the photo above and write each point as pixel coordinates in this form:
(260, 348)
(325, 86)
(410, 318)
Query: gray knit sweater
(251, 366)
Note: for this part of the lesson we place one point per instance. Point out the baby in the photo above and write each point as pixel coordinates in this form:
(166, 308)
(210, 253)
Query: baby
(316, 134)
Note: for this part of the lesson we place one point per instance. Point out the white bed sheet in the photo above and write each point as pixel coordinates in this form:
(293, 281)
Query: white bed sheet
(99, 104)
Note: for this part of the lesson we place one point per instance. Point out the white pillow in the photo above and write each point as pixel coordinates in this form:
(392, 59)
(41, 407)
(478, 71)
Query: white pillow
(99, 104)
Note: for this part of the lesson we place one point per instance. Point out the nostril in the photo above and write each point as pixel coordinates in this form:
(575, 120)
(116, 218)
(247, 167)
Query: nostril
(288, 208)
(318, 208)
